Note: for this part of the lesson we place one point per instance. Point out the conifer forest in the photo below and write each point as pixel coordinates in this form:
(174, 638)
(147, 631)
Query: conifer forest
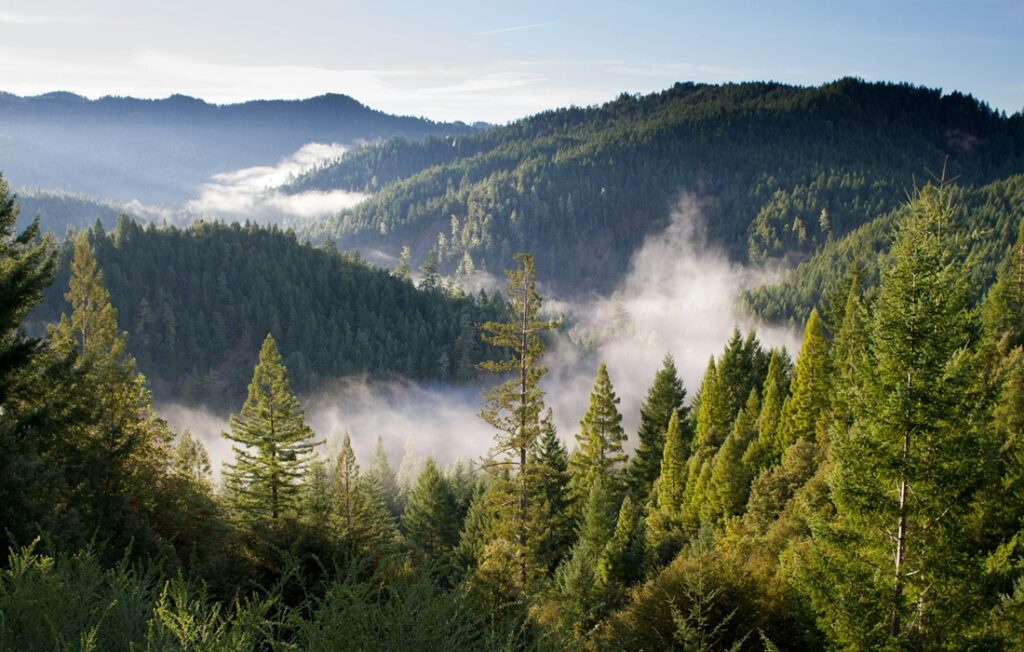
(719, 367)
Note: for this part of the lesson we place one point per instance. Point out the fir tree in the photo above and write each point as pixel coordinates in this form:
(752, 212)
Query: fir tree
(598, 451)
(808, 395)
(513, 407)
(272, 443)
(402, 268)
(766, 449)
(904, 473)
(730, 478)
(551, 525)
(27, 266)
(346, 484)
(430, 520)
(118, 445)
(381, 473)
(664, 399)
(622, 562)
(190, 459)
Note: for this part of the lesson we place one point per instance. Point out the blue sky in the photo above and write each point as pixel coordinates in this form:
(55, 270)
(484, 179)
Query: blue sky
(499, 61)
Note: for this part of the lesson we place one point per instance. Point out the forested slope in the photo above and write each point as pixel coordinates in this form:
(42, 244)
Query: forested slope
(987, 217)
(779, 168)
(198, 302)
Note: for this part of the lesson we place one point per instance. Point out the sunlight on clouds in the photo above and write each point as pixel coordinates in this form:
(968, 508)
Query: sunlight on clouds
(254, 192)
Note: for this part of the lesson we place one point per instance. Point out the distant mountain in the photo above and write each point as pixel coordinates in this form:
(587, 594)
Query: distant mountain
(160, 151)
(779, 170)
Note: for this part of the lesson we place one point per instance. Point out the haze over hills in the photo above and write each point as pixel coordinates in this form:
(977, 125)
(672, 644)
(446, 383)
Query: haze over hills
(162, 151)
(581, 188)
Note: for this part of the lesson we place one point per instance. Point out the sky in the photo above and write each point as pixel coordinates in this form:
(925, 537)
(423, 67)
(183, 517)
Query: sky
(495, 62)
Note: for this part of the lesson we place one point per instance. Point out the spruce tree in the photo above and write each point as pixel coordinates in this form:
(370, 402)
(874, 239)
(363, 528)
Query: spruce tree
(273, 445)
(622, 561)
(598, 451)
(892, 570)
(664, 399)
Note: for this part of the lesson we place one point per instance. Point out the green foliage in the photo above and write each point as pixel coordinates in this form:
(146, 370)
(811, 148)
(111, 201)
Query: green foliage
(663, 401)
(598, 452)
(273, 444)
(908, 466)
(581, 188)
(232, 284)
(430, 520)
(809, 393)
(513, 407)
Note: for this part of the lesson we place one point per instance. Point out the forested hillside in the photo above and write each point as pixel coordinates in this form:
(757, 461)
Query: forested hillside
(867, 494)
(159, 151)
(198, 301)
(987, 218)
(58, 211)
(780, 170)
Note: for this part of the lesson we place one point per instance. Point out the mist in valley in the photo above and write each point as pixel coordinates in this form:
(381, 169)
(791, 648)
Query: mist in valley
(679, 297)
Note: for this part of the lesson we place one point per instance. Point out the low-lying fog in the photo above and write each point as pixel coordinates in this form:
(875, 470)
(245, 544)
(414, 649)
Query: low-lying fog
(680, 295)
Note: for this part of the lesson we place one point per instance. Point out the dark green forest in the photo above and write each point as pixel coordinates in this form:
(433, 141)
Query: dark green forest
(863, 493)
(780, 171)
(198, 301)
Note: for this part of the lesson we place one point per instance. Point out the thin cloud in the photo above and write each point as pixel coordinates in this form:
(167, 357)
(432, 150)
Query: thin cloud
(518, 28)
(19, 18)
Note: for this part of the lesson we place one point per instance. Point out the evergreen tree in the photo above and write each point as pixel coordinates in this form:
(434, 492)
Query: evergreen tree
(430, 276)
(118, 446)
(551, 525)
(664, 399)
(809, 393)
(402, 268)
(730, 478)
(190, 459)
(598, 451)
(1003, 310)
(346, 484)
(272, 443)
(430, 520)
(381, 474)
(513, 407)
(622, 562)
(893, 561)
(712, 411)
(767, 449)
(27, 266)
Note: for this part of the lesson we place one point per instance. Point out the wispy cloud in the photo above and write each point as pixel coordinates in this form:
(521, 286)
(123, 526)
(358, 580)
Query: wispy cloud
(20, 18)
(517, 28)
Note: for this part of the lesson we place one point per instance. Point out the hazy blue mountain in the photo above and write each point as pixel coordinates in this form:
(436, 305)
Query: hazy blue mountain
(160, 151)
